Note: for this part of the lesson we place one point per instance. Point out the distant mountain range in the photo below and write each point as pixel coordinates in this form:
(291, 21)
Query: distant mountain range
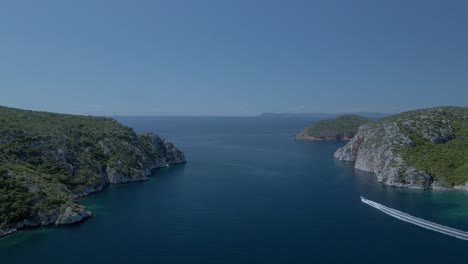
(370, 115)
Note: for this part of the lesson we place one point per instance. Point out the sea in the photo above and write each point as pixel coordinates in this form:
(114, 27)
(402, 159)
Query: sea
(249, 193)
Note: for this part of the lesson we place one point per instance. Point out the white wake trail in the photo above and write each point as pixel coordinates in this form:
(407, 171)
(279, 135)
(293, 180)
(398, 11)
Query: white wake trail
(418, 221)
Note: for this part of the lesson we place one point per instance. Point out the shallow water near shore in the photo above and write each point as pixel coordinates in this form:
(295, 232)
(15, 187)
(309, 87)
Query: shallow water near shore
(249, 193)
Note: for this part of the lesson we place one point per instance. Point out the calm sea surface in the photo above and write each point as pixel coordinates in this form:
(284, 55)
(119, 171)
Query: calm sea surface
(249, 194)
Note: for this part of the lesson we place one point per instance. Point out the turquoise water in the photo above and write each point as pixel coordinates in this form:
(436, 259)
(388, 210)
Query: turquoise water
(249, 194)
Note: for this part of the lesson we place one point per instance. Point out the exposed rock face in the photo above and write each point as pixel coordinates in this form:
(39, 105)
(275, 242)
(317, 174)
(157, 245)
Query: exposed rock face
(73, 215)
(157, 153)
(169, 153)
(373, 148)
(432, 124)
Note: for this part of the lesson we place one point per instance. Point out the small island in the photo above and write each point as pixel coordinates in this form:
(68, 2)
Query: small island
(341, 128)
(49, 160)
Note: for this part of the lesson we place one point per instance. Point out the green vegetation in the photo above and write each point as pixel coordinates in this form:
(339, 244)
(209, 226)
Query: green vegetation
(443, 158)
(439, 139)
(47, 159)
(342, 127)
(16, 201)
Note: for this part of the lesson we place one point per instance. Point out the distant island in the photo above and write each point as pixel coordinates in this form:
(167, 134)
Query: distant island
(341, 128)
(48, 160)
(420, 149)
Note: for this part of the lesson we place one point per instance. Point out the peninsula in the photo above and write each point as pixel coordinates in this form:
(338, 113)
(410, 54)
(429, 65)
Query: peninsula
(341, 128)
(49, 160)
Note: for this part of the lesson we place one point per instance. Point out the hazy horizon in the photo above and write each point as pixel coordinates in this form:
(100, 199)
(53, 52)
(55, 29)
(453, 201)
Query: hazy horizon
(305, 114)
(232, 58)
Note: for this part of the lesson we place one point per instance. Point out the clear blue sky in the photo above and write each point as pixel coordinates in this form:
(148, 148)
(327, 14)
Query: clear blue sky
(239, 57)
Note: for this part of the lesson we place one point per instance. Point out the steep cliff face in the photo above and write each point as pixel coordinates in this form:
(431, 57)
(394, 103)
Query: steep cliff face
(150, 153)
(409, 149)
(48, 160)
(373, 150)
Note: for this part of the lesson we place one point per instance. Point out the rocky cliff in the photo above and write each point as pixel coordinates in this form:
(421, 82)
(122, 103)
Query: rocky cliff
(421, 149)
(48, 160)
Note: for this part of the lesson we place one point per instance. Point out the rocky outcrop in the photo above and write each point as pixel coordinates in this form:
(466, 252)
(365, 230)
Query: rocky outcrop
(165, 150)
(73, 214)
(155, 152)
(375, 148)
(372, 150)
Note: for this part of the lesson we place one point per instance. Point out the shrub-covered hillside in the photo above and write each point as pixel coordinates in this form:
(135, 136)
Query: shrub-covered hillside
(341, 128)
(47, 160)
(440, 143)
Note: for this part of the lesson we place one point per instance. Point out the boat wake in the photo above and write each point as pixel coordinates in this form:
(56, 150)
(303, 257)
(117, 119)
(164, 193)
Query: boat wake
(418, 221)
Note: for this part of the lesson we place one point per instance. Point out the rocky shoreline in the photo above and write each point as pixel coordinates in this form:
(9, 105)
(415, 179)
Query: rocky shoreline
(377, 147)
(380, 158)
(48, 161)
(73, 214)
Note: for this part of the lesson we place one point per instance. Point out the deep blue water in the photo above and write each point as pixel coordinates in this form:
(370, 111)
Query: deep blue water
(249, 194)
